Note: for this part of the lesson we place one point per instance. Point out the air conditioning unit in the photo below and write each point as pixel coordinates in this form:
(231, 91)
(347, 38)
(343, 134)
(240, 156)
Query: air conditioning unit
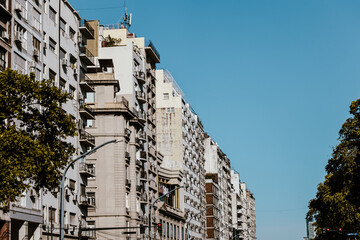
(18, 8)
(64, 61)
(36, 53)
(5, 35)
(18, 37)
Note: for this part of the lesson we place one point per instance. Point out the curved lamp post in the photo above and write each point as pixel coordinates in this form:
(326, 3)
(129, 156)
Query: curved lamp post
(82, 157)
(152, 205)
(188, 222)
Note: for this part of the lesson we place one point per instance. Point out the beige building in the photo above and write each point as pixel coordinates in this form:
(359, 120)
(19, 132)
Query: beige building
(179, 138)
(127, 173)
(217, 163)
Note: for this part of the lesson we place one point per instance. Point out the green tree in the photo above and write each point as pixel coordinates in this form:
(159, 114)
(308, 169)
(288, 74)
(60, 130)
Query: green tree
(337, 202)
(33, 132)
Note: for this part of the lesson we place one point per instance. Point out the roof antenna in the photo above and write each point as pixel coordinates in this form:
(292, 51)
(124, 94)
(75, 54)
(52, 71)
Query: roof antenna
(127, 16)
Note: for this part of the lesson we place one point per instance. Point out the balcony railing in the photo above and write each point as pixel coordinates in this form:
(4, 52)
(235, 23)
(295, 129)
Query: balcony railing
(151, 45)
(86, 29)
(87, 138)
(86, 56)
(86, 111)
(84, 169)
(140, 95)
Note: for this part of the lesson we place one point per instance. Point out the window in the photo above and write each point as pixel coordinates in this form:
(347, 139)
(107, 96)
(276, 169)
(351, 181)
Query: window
(166, 96)
(127, 172)
(63, 25)
(52, 45)
(72, 33)
(2, 59)
(62, 53)
(127, 200)
(72, 184)
(167, 230)
(52, 215)
(72, 91)
(52, 75)
(73, 219)
(62, 84)
(91, 198)
(36, 43)
(90, 123)
(170, 109)
(52, 14)
(44, 40)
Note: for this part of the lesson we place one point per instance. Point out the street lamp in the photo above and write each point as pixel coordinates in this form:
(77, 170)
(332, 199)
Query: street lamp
(152, 205)
(228, 225)
(188, 222)
(82, 157)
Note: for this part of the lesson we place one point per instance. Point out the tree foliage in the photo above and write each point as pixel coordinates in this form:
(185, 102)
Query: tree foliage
(337, 202)
(33, 132)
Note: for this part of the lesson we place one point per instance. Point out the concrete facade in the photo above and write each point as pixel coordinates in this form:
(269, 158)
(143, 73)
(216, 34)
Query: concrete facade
(133, 168)
(43, 38)
(216, 162)
(179, 135)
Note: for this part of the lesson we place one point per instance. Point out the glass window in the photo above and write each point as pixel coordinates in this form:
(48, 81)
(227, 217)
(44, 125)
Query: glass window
(166, 96)
(52, 75)
(72, 33)
(62, 25)
(52, 14)
(62, 84)
(2, 60)
(52, 45)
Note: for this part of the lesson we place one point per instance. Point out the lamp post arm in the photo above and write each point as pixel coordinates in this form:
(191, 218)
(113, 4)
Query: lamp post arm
(152, 205)
(63, 183)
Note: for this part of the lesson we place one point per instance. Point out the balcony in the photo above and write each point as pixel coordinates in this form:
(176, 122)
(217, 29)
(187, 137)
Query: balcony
(152, 52)
(141, 116)
(140, 76)
(127, 155)
(86, 86)
(86, 56)
(86, 171)
(138, 163)
(86, 111)
(142, 136)
(86, 29)
(86, 138)
(140, 95)
(142, 156)
(4, 9)
(143, 198)
(87, 201)
(139, 188)
(127, 132)
(143, 176)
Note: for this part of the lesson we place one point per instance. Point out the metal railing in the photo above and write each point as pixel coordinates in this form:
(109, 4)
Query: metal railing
(86, 52)
(151, 45)
(84, 23)
(86, 136)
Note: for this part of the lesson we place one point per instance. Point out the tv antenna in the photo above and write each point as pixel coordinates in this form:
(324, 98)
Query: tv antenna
(127, 16)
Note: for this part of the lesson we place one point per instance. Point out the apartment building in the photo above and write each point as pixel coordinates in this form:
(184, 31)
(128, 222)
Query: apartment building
(251, 218)
(132, 166)
(213, 215)
(5, 33)
(239, 219)
(179, 137)
(42, 37)
(216, 162)
(5, 61)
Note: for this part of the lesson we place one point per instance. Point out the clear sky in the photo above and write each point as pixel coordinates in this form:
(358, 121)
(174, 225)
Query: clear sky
(271, 80)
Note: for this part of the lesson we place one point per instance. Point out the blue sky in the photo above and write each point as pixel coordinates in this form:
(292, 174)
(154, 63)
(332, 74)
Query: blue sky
(271, 81)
